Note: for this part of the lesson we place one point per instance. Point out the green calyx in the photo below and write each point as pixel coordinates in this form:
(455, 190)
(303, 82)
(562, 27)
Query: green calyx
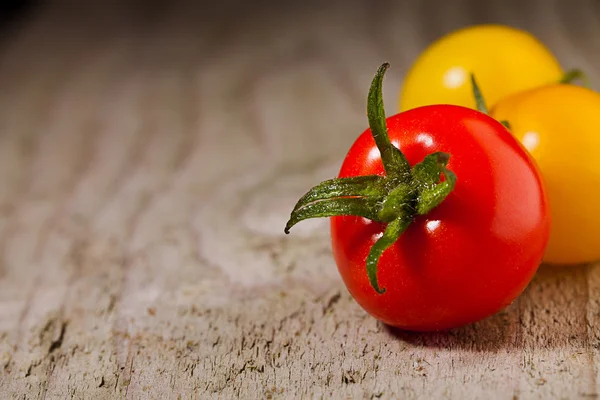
(394, 199)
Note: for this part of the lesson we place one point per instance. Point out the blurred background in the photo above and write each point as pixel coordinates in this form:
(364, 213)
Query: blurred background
(355, 34)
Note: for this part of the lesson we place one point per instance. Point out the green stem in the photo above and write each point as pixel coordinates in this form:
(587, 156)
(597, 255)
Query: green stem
(573, 75)
(480, 101)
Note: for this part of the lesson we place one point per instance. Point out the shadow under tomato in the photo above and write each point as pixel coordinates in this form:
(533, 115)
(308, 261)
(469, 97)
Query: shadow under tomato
(551, 313)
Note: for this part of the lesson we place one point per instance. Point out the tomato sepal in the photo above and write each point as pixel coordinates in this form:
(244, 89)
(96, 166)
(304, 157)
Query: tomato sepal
(394, 162)
(431, 193)
(392, 232)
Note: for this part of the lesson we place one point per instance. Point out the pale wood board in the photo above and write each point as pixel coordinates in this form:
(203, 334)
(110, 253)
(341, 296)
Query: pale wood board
(149, 158)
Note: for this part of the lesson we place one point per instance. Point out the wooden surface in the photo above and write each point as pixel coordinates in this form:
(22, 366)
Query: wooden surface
(149, 157)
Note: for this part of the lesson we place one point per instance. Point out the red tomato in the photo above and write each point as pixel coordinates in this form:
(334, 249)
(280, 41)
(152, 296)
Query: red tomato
(473, 254)
(440, 217)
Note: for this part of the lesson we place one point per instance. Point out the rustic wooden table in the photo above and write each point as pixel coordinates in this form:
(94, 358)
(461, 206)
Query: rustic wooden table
(149, 157)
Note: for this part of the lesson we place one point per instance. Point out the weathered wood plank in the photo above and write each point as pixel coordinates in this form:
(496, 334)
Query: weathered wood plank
(148, 162)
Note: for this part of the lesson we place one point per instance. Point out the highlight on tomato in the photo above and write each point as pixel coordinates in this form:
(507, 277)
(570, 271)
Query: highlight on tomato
(505, 60)
(439, 216)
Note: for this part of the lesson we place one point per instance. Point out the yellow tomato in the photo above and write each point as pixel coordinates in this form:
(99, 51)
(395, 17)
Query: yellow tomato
(560, 126)
(504, 60)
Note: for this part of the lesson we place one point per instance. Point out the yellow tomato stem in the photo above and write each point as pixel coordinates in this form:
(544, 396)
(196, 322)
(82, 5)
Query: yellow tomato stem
(575, 74)
(480, 101)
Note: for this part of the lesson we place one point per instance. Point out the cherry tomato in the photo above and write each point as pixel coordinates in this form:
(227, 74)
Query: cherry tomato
(560, 126)
(504, 59)
(462, 260)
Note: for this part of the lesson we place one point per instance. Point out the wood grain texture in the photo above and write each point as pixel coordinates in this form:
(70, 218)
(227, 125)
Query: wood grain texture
(149, 157)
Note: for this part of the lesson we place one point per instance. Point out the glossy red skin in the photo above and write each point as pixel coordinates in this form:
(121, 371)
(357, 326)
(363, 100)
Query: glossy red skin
(492, 231)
